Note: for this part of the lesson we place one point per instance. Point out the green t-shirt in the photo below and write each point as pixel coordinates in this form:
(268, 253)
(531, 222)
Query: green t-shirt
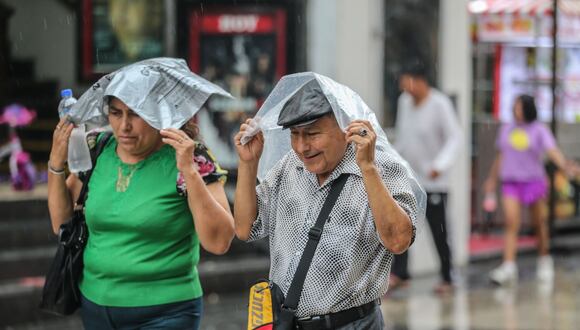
(142, 248)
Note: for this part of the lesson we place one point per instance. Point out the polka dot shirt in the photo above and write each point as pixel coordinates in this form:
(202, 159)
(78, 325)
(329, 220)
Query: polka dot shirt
(351, 266)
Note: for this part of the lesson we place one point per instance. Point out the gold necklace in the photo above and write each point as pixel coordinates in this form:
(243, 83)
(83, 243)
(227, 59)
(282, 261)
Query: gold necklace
(123, 180)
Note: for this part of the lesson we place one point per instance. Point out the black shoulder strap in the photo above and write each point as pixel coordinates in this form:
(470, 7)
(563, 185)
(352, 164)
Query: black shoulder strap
(295, 290)
(86, 176)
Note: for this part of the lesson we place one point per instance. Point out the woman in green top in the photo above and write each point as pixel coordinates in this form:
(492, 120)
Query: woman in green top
(154, 197)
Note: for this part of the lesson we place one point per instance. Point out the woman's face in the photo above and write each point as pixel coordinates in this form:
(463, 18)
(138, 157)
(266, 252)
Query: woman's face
(519, 111)
(134, 136)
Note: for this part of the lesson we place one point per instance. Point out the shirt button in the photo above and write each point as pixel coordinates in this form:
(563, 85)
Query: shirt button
(297, 253)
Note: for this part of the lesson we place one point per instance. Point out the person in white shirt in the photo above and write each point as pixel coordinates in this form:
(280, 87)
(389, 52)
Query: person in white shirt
(429, 137)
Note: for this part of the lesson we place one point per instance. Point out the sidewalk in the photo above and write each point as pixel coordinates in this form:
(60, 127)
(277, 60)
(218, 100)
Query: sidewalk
(475, 304)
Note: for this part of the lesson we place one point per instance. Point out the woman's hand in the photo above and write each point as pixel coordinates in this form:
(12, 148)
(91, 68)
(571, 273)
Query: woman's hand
(361, 132)
(489, 186)
(184, 147)
(60, 138)
(251, 151)
(572, 170)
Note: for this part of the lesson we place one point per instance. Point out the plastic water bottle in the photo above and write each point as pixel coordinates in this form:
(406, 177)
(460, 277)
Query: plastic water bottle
(66, 102)
(79, 157)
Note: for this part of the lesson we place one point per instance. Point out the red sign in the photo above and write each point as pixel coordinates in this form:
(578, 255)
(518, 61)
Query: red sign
(237, 23)
(242, 50)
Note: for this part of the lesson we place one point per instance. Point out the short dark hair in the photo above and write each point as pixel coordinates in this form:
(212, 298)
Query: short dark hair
(415, 68)
(528, 108)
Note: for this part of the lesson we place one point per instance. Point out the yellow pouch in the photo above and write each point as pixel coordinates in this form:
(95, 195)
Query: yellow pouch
(260, 309)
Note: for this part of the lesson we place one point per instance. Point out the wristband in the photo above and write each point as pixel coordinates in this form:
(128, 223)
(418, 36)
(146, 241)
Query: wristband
(55, 171)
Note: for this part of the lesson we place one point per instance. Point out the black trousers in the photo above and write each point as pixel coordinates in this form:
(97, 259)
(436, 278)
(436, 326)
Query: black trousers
(436, 219)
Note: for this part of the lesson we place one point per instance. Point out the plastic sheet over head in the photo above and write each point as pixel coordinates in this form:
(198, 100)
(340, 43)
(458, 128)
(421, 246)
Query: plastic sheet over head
(162, 91)
(346, 105)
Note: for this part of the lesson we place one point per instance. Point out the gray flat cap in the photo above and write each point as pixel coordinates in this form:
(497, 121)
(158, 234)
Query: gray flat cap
(304, 107)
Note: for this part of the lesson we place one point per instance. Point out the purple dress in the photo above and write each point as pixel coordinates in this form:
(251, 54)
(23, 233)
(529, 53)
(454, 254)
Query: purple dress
(522, 172)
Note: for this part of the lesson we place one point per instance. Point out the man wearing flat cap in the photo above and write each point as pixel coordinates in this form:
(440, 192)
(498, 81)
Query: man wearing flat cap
(372, 219)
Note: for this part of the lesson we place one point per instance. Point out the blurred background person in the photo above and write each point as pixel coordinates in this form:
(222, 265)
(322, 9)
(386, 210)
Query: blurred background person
(429, 137)
(519, 165)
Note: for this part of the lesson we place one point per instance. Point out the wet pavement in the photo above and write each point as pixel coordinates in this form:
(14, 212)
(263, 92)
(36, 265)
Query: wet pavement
(475, 304)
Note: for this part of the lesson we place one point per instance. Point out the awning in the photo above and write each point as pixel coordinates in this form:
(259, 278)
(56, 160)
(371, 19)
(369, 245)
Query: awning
(523, 7)
(527, 22)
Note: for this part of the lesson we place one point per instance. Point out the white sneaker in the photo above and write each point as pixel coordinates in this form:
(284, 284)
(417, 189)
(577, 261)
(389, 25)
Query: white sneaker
(505, 274)
(545, 269)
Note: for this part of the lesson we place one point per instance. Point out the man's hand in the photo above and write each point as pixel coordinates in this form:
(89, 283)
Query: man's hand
(361, 132)
(251, 151)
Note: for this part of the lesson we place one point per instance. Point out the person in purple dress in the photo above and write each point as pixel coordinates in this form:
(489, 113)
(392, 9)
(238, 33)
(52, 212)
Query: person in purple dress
(519, 164)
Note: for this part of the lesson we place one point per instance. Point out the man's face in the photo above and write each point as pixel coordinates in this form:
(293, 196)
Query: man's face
(320, 145)
(407, 83)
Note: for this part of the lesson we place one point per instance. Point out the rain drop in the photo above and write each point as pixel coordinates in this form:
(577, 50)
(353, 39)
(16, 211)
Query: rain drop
(45, 23)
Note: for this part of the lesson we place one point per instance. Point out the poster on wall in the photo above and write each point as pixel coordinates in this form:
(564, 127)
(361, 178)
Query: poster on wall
(118, 32)
(243, 52)
(524, 70)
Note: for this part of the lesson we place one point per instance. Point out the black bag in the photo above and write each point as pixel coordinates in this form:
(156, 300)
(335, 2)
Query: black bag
(61, 294)
(283, 310)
